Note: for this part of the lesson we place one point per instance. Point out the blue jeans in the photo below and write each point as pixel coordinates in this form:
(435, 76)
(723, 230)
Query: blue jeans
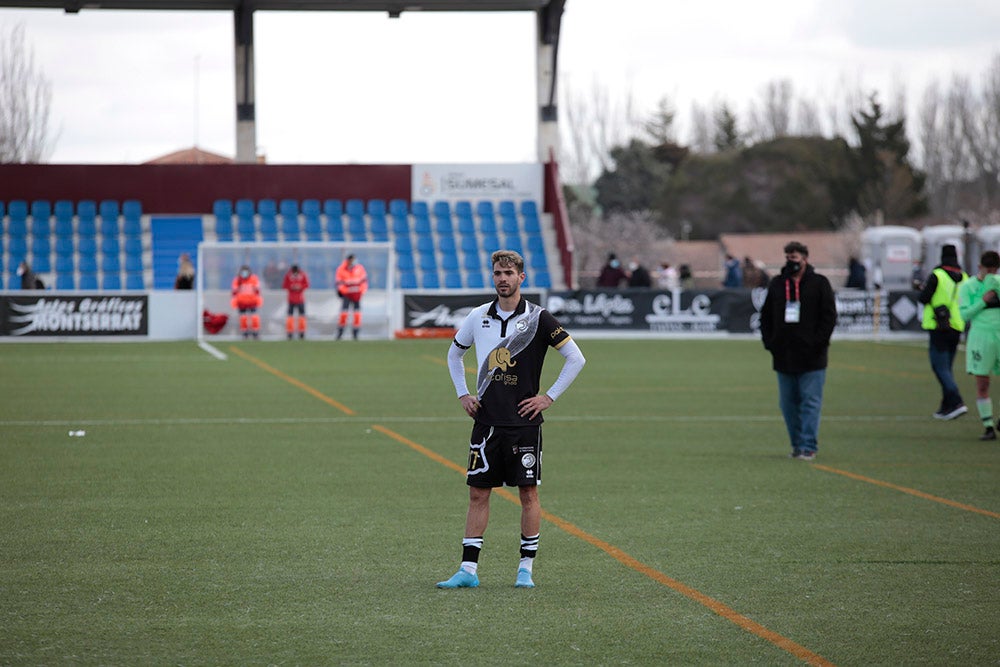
(800, 396)
(942, 350)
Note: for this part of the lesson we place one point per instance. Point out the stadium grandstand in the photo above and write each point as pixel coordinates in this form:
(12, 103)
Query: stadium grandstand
(122, 227)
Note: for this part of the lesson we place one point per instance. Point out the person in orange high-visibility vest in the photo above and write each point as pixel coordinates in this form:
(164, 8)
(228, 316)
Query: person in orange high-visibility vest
(352, 283)
(247, 299)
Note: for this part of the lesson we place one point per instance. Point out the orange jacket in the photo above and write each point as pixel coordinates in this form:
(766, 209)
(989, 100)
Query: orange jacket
(352, 281)
(246, 292)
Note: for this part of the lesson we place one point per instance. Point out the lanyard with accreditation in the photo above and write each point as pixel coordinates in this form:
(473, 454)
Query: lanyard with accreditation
(793, 309)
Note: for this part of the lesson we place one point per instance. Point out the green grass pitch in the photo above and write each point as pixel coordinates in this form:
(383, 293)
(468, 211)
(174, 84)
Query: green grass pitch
(295, 503)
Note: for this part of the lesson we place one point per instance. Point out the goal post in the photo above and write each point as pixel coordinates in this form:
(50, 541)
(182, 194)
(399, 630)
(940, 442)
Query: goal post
(218, 264)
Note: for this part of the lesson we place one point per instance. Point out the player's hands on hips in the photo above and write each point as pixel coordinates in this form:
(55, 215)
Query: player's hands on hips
(531, 407)
(470, 404)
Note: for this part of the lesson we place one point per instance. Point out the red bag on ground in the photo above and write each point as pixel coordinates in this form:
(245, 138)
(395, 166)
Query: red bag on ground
(214, 322)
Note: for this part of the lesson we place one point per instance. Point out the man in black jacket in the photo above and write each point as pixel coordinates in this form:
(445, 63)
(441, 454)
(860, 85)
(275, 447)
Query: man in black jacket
(796, 323)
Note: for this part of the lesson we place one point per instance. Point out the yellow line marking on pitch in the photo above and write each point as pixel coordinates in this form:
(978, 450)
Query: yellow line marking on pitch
(714, 605)
(726, 612)
(442, 362)
(906, 489)
(287, 378)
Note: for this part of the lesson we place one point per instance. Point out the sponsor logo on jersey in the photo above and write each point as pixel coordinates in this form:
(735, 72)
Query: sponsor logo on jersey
(500, 358)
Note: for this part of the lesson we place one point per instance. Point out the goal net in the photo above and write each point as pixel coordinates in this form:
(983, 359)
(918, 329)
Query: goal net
(218, 264)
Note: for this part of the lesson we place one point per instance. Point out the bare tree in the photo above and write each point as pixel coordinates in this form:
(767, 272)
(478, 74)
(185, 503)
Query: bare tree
(807, 122)
(596, 122)
(634, 235)
(701, 129)
(25, 95)
(771, 117)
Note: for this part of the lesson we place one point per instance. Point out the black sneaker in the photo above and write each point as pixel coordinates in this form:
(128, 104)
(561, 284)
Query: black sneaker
(795, 454)
(952, 413)
(988, 434)
(806, 455)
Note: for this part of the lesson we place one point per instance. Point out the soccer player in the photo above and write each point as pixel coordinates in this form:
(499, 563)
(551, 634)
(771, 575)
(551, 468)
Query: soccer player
(979, 305)
(296, 282)
(511, 336)
(247, 299)
(352, 283)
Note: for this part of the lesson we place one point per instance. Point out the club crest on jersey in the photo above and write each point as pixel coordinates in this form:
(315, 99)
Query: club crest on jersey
(500, 358)
(521, 325)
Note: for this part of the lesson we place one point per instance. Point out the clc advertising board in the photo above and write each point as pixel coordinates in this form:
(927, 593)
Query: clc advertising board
(690, 311)
(474, 182)
(74, 315)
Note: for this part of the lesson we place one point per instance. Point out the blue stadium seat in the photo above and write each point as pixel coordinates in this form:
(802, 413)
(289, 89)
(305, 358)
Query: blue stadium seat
(529, 208)
(87, 264)
(405, 263)
(40, 245)
(398, 207)
(513, 242)
(41, 211)
(18, 210)
(110, 245)
(355, 208)
(87, 246)
(491, 244)
(17, 246)
(109, 209)
(538, 260)
(535, 243)
(469, 245)
(133, 263)
(378, 227)
(335, 227)
(2, 211)
(333, 208)
(446, 244)
(471, 262)
(290, 219)
(111, 264)
(419, 209)
(400, 224)
(110, 227)
(508, 225)
(425, 245)
(474, 279)
(131, 209)
(507, 209)
(312, 227)
(133, 246)
(246, 224)
(41, 263)
(86, 224)
(88, 281)
(65, 264)
(466, 226)
(64, 228)
(403, 245)
(408, 280)
(222, 209)
(532, 225)
(484, 209)
(463, 209)
(376, 207)
(111, 281)
(427, 263)
(132, 227)
(65, 281)
(267, 209)
(449, 261)
(356, 228)
(422, 225)
(135, 280)
(64, 247)
(86, 209)
(542, 278)
(63, 210)
(488, 225)
(453, 280)
(430, 280)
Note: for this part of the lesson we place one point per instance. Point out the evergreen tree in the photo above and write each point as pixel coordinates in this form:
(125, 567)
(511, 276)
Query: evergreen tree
(886, 181)
(727, 135)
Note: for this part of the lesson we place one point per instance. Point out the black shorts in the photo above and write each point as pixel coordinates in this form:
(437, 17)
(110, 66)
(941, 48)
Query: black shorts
(301, 307)
(505, 456)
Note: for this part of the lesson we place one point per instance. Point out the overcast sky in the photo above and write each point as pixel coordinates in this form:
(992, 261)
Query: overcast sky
(436, 87)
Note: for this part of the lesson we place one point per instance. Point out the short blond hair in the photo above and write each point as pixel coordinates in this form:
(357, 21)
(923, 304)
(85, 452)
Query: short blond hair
(508, 258)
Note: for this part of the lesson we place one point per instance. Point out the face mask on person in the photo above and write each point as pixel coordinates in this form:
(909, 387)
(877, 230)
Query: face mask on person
(615, 263)
(244, 274)
(792, 267)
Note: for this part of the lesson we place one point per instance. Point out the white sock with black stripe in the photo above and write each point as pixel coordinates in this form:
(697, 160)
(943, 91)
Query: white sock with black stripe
(529, 549)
